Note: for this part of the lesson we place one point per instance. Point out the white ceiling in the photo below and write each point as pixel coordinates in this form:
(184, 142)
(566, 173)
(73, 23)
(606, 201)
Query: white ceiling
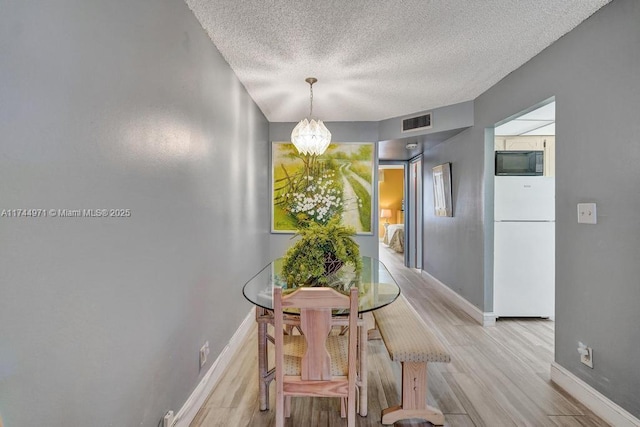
(541, 121)
(378, 59)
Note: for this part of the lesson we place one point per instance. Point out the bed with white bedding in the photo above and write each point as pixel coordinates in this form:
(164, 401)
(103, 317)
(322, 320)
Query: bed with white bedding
(394, 237)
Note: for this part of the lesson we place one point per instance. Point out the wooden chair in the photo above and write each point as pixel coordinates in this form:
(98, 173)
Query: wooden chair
(315, 363)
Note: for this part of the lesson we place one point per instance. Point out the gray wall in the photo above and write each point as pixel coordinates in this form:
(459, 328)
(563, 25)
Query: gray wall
(453, 246)
(340, 132)
(445, 118)
(120, 104)
(594, 74)
(128, 105)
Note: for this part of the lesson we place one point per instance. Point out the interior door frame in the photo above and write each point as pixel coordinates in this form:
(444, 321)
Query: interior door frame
(413, 213)
(405, 167)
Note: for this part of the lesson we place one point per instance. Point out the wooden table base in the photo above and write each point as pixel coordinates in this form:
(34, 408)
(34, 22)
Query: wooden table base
(414, 397)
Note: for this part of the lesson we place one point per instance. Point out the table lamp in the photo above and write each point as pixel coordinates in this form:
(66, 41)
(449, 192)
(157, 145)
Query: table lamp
(386, 214)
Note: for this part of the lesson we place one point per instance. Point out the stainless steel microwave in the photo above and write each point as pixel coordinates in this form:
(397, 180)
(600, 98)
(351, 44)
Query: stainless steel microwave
(519, 163)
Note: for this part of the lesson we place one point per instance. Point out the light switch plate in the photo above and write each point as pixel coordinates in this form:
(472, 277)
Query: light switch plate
(587, 213)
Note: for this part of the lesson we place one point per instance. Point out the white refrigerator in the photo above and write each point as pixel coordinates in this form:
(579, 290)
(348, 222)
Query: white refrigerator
(524, 246)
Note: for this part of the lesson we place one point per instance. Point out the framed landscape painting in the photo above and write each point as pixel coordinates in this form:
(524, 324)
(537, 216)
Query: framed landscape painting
(309, 188)
(442, 190)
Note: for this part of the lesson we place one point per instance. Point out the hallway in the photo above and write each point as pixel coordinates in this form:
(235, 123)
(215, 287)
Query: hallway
(499, 376)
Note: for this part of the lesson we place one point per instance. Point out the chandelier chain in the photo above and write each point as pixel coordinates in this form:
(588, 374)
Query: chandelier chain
(311, 101)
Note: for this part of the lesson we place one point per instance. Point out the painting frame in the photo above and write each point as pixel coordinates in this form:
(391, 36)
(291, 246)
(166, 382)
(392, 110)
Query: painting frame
(345, 173)
(442, 195)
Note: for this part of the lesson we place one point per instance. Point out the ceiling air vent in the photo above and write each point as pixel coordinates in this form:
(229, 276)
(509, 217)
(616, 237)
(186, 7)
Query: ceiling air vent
(416, 123)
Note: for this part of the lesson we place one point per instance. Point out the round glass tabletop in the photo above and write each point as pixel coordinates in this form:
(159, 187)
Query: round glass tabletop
(377, 287)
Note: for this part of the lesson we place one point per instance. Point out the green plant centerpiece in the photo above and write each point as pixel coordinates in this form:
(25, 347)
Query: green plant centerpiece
(321, 251)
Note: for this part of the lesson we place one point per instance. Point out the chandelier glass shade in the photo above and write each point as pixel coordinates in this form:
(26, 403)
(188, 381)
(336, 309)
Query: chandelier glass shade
(311, 137)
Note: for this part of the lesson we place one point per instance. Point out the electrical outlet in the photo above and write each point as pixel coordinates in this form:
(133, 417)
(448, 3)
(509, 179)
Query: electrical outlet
(586, 355)
(167, 421)
(587, 213)
(204, 352)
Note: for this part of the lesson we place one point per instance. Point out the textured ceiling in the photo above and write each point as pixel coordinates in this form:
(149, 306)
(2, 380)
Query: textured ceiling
(379, 59)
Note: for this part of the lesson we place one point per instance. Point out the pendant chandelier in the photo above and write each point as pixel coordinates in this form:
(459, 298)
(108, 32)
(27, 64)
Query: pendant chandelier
(311, 137)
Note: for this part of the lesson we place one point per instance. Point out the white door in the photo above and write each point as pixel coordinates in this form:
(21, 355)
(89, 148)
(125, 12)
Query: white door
(524, 198)
(524, 269)
(524, 143)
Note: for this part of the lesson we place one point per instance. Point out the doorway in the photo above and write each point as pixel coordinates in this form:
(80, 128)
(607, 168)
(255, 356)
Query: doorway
(391, 206)
(524, 214)
(400, 209)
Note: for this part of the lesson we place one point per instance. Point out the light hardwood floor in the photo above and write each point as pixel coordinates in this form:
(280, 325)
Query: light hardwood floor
(499, 376)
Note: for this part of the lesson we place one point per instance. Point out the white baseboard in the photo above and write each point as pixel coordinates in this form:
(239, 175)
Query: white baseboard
(187, 413)
(592, 399)
(483, 318)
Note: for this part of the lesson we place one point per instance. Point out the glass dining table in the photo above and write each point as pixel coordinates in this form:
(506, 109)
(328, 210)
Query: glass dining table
(376, 289)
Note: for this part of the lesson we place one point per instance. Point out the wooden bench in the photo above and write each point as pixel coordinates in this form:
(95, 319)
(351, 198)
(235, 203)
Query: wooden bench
(410, 342)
